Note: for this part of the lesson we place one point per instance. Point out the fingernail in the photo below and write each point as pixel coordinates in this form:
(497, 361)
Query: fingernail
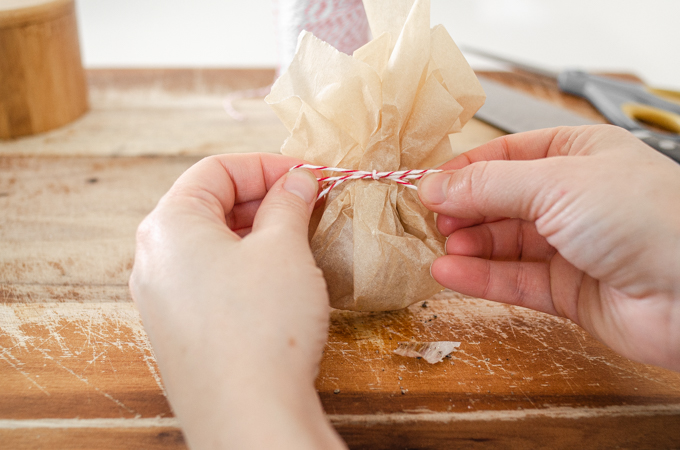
(302, 183)
(433, 188)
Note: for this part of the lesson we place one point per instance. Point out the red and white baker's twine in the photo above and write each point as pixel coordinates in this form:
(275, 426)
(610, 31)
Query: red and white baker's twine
(403, 177)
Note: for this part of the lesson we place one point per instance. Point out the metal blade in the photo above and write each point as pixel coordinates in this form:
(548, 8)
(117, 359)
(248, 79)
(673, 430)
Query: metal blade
(515, 112)
(511, 62)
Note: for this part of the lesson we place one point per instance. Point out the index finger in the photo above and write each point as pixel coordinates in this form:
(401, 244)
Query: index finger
(220, 182)
(535, 144)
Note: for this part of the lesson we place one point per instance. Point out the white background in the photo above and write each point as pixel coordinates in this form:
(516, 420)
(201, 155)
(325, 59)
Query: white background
(637, 36)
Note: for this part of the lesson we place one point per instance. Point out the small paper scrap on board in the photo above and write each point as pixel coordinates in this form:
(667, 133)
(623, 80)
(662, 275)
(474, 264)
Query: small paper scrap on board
(432, 352)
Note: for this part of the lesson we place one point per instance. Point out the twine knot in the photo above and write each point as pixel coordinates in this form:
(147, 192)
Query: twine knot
(403, 177)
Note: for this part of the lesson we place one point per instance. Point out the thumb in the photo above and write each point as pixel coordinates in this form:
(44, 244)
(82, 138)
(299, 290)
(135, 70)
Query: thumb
(288, 205)
(517, 189)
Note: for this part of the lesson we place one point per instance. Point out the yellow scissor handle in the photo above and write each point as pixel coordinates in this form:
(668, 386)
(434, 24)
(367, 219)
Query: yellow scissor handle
(666, 94)
(659, 117)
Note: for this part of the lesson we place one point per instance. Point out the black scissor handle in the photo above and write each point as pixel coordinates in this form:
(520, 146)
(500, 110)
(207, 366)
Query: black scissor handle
(611, 96)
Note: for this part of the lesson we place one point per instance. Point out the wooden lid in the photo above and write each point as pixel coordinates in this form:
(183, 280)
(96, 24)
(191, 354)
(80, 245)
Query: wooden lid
(22, 12)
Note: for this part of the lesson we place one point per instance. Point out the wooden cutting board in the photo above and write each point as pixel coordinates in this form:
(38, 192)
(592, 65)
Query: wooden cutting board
(77, 370)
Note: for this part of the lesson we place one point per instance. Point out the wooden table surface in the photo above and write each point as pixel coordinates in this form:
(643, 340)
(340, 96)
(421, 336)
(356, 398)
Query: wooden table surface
(77, 370)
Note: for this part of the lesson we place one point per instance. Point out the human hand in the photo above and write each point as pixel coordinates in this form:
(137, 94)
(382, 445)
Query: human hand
(234, 305)
(581, 222)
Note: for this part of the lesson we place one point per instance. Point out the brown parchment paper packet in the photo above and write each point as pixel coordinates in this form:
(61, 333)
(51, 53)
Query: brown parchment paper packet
(389, 106)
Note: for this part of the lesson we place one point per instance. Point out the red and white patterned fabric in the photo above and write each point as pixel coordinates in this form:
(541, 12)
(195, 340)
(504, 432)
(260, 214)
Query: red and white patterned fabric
(341, 23)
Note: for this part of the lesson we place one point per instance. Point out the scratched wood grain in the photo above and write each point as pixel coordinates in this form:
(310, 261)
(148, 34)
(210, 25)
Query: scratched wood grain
(77, 371)
(519, 379)
(71, 221)
(104, 437)
(510, 359)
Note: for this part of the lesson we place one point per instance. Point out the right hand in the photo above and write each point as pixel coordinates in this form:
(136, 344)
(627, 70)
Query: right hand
(580, 222)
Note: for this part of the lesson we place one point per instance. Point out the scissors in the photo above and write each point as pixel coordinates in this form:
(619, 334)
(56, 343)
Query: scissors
(628, 105)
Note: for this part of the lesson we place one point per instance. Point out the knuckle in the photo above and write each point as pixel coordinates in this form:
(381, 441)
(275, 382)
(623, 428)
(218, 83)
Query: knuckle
(146, 232)
(284, 215)
(143, 230)
(504, 143)
(145, 248)
(522, 229)
(290, 205)
(210, 160)
(488, 280)
(519, 295)
(492, 245)
(473, 183)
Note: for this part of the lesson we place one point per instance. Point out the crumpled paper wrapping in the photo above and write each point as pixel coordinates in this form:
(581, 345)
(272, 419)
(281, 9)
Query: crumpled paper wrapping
(389, 106)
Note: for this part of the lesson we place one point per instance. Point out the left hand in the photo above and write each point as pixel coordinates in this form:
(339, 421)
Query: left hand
(234, 305)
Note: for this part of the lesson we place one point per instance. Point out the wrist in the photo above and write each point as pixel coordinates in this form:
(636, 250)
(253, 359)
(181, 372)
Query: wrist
(263, 410)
